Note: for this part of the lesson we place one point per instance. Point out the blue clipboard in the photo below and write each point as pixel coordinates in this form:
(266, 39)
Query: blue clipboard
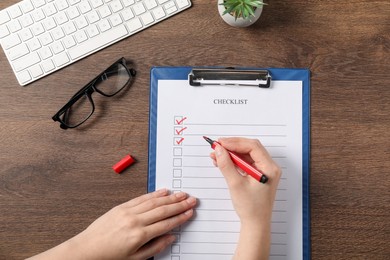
(182, 73)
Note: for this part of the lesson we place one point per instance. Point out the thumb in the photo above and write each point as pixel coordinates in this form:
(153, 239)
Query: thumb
(226, 165)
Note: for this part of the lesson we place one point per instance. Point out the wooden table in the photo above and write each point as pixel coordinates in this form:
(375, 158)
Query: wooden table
(55, 182)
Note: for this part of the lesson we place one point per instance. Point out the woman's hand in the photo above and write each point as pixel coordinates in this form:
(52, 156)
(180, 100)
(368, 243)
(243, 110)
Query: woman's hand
(252, 200)
(136, 229)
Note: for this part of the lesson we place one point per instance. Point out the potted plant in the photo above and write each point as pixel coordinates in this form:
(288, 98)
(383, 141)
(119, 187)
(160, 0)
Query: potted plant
(240, 13)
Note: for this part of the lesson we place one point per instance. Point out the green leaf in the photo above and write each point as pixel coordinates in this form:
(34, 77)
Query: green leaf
(241, 8)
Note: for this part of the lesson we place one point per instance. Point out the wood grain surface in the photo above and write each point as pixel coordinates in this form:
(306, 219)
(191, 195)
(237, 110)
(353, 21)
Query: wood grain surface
(54, 183)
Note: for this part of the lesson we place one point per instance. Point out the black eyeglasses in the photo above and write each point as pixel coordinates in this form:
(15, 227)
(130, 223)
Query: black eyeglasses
(109, 83)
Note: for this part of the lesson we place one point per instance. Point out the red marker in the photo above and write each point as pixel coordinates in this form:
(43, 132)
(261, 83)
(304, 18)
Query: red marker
(243, 165)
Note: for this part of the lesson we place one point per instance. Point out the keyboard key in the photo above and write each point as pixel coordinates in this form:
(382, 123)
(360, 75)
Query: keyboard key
(147, 18)
(50, 9)
(26, 61)
(171, 10)
(45, 39)
(80, 36)
(25, 35)
(61, 18)
(10, 41)
(81, 22)
(61, 59)
(93, 17)
(139, 9)
(134, 24)
(37, 29)
(170, 4)
(116, 6)
(34, 44)
(14, 11)
(104, 25)
(170, 7)
(57, 47)
(115, 19)
(57, 33)
(127, 14)
(45, 53)
(17, 51)
(36, 71)
(61, 5)
(3, 31)
(104, 11)
(4, 17)
(26, 20)
(92, 31)
(84, 7)
(49, 23)
(150, 4)
(69, 28)
(98, 42)
(96, 3)
(128, 2)
(73, 12)
(23, 77)
(48, 65)
(69, 42)
(14, 26)
(182, 3)
(38, 3)
(158, 13)
(38, 15)
(26, 6)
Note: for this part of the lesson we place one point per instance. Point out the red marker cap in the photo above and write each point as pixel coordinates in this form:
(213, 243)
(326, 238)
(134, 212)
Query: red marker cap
(123, 164)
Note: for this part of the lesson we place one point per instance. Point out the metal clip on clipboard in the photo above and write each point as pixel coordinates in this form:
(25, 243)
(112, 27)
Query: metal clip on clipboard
(237, 77)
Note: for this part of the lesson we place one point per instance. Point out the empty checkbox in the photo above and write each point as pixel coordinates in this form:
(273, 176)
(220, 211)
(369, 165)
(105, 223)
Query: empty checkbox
(177, 173)
(177, 151)
(177, 162)
(176, 183)
(175, 249)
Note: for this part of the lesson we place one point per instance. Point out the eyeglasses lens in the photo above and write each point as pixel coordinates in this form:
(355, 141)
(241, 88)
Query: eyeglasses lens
(78, 112)
(113, 80)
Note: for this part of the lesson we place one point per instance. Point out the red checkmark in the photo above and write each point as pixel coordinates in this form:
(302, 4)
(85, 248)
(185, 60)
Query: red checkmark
(180, 141)
(179, 122)
(179, 132)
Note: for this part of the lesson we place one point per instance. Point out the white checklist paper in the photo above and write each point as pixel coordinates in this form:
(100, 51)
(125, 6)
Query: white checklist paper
(184, 115)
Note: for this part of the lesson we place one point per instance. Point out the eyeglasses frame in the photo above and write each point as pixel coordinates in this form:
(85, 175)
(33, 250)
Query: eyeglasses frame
(90, 88)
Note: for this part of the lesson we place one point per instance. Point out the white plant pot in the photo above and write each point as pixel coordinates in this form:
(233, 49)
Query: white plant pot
(240, 22)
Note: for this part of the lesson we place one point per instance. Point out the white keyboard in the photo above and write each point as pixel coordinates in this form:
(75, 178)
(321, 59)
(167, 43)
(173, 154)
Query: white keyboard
(42, 36)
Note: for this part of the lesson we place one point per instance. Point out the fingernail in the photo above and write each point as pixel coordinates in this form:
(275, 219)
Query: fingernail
(241, 172)
(162, 191)
(189, 212)
(191, 200)
(180, 195)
